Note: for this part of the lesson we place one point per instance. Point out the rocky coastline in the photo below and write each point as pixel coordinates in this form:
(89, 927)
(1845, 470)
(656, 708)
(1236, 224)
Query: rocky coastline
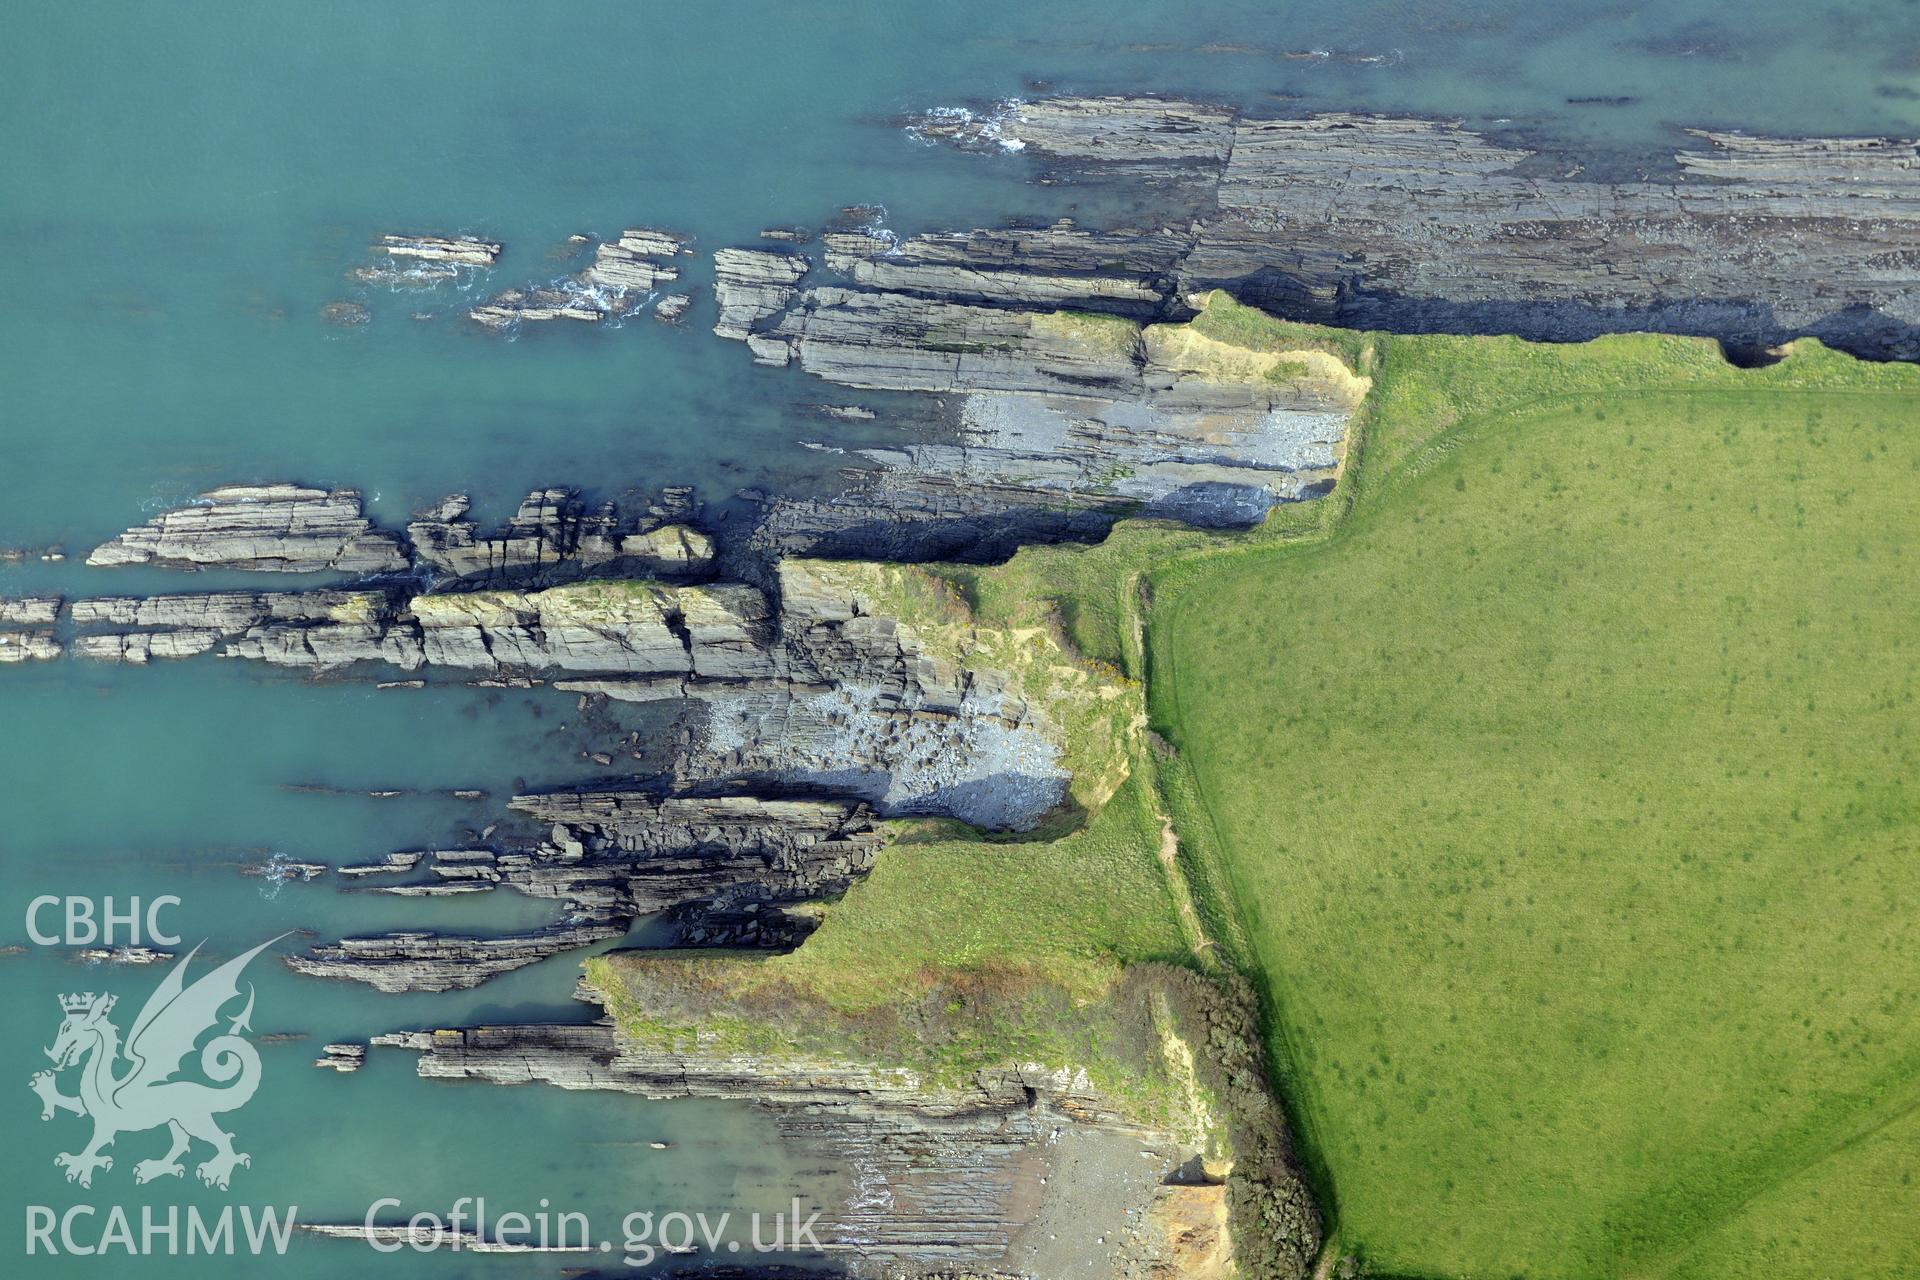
(1018, 1170)
(811, 705)
(1423, 225)
(816, 700)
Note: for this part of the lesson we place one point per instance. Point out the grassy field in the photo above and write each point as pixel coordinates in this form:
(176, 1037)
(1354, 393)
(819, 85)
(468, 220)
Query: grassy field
(1552, 778)
(1560, 774)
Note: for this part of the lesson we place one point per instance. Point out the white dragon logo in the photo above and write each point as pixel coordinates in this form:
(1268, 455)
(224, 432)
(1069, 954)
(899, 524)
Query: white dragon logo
(146, 1096)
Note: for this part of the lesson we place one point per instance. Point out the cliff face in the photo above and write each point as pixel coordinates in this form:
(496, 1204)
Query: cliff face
(813, 686)
(1011, 1169)
(1059, 421)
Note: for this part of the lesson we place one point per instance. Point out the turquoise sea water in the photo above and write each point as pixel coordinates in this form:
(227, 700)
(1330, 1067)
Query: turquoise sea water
(183, 187)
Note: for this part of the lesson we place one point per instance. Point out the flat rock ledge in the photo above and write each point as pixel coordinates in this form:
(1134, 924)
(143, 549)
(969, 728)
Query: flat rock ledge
(471, 251)
(274, 528)
(29, 611)
(1058, 422)
(554, 536)
(1421, 225)
(343, 1058)
(39, 645)
(418, 961)
(751, 284)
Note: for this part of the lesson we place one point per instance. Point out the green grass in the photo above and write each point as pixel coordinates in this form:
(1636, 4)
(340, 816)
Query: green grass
(1551, 778)
(1071, 911)
(955, 956)
(1563, 789)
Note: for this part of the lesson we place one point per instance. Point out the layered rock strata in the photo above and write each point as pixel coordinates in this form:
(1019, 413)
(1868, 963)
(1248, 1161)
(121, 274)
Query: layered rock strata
(469, 251)
(274, 528)
(1060, 422)
(823, 689)
(1058, 267)
(343, 1058)
(729, 868)
(26, 629)
(29, 611)
(1417, 225)
(410, 960)
(554, 535)
(624, 273)
(28, 646)
(751, 284)
(635, 853)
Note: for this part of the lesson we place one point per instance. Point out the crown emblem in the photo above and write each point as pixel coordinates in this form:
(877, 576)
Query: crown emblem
(82, 1003)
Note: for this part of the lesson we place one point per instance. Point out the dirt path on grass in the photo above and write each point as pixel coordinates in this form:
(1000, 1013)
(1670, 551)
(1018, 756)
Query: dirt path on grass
(1204, 948)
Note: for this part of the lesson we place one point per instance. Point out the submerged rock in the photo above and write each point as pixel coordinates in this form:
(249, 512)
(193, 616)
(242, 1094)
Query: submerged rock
(276, 528)
(345, 315)
(672, 308)
(426, 1237)
(122, 955)
(280, 867)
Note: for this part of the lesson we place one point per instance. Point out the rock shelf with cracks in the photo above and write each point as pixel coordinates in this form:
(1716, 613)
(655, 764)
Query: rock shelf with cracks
(275, 528)
(822, 689)
(1418, 225)
(623, 275)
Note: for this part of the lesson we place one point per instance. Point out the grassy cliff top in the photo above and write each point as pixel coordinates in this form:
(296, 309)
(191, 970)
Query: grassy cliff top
(1560, 781)
(1551, 778)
